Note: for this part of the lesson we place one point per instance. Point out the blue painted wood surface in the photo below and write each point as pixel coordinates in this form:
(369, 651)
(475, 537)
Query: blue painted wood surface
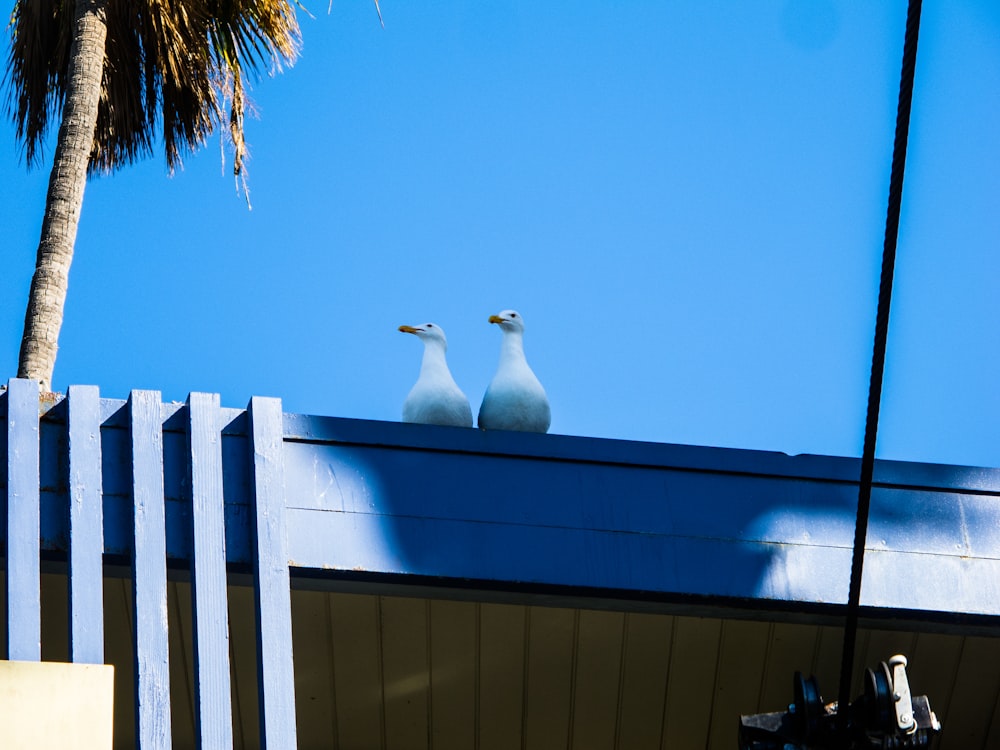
(635, 520)
(23, 522)
(599, 520)
(149, 572)
(213, 701)
(272, 595)
(86, 525)
(322, 501)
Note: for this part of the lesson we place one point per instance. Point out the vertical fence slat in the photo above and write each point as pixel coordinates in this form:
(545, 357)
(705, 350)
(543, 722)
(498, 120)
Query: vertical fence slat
(24, 620)
(86, 526)
(213, 701)
(272, 597)
(149, 573)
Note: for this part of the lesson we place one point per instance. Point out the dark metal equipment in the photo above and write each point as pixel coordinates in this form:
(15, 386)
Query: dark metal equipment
(885, 717)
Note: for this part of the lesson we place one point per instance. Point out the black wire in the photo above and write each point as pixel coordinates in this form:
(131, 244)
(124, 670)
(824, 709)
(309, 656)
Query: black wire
(878, 355)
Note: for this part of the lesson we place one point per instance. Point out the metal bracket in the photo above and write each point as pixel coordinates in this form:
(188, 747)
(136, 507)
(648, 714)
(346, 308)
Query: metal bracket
(901, 695)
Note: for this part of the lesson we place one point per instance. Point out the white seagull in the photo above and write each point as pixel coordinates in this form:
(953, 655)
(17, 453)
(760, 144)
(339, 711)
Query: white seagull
(435, 398)
(514, 400)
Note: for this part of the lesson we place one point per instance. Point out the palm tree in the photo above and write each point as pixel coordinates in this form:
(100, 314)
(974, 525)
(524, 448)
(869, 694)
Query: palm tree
(120, 72)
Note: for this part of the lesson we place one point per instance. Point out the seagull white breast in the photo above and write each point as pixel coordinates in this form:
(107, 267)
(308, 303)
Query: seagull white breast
(515, 399)
(435, 398)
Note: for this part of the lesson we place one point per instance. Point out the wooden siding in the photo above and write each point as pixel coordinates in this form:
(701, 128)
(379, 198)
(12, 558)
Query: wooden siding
(377, 672)
(598, 520)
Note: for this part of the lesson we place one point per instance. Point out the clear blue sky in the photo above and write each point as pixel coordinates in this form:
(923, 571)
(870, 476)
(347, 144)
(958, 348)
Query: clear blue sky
(685, 200)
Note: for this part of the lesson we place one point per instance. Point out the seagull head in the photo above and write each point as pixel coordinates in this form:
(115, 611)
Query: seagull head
(428, 332)
(509, 320)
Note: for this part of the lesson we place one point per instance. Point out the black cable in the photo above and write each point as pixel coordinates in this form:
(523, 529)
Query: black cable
(878, 355)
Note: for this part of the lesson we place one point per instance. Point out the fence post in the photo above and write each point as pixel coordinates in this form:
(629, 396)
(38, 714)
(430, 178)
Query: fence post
(213, 701)
(24, 623)
(86, 525)
(149, 573)
(272, 597)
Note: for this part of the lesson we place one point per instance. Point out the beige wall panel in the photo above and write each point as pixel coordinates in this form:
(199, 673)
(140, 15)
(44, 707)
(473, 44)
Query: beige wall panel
(971, 708)
(453, 674)
(742, 655)
(791, 649)
(356, 627)
(405, 672)
(55, 617)
(243, 668)
(933, 667)
(118, 650)
(694, 652)
(502, 652)
(597, 683)
(826, 661)
(312, 644)
(644, 681)
(381, 673)
(549, 677)
(993, 734)
(181, 646)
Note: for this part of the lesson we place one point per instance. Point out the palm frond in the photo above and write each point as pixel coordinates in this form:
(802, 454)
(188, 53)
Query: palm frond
(245, 36)
(36, 71)
(170, 64)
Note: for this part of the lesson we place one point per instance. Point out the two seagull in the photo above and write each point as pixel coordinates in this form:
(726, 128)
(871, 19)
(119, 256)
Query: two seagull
(514, 400)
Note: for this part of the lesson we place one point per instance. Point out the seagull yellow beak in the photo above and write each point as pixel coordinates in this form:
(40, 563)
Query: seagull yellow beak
(409, 329)
(496, 319)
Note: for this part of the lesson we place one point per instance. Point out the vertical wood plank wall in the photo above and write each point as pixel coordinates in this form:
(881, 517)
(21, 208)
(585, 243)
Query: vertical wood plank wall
(473, 692)
(386, 672)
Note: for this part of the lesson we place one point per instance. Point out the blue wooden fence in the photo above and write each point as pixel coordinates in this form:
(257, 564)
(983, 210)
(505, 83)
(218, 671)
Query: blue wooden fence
(319, 501)
(78, 505)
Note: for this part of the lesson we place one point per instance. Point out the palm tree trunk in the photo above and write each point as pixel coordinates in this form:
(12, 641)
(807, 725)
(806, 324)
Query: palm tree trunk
(64, 201)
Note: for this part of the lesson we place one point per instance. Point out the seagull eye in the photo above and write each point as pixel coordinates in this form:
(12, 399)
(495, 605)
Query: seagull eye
(513, 315)
(430, 325)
